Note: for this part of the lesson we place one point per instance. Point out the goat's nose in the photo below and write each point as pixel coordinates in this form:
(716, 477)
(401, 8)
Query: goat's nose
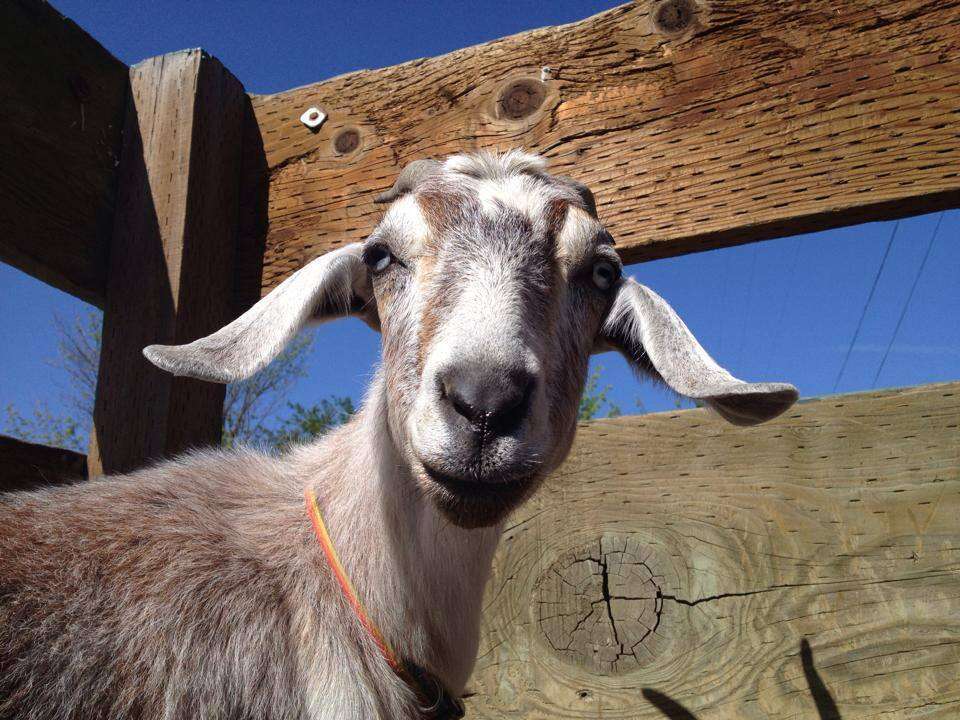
(493, 399)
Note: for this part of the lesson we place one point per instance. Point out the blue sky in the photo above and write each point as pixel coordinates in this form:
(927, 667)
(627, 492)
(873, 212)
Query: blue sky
(785, 309)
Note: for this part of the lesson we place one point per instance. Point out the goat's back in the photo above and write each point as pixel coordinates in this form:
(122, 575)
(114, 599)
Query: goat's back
(162, 594)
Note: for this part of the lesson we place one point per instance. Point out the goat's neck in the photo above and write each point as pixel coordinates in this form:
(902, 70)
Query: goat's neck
(420, 577)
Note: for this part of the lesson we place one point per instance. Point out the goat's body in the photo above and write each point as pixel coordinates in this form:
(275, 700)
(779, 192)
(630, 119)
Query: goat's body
(196, 588)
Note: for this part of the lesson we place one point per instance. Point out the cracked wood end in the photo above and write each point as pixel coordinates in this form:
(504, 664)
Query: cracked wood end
(600, 605)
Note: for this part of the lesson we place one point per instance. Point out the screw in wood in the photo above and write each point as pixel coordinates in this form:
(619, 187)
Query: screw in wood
(313, 118)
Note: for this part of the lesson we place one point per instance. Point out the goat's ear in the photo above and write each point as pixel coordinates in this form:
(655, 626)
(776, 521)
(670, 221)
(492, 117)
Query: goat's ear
(334, 285)
(642, 326)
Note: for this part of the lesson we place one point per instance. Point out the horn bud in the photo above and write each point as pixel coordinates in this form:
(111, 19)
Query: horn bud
(410, 177)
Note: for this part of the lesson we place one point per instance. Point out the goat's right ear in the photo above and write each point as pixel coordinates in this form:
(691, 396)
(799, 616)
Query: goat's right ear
(334, 285)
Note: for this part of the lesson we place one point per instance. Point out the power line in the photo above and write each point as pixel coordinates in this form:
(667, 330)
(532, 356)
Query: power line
(866, 305)
(723, 302)
(746, 312)
(906, 305)
(778, 328)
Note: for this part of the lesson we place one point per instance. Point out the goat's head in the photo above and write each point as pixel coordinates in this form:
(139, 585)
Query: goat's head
(492, 283)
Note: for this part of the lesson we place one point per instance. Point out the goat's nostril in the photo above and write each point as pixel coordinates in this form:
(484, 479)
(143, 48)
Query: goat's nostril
(494, 400)
(465, 409)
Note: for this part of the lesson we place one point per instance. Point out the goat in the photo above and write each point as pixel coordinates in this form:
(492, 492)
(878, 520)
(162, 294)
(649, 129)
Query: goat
(196, 588)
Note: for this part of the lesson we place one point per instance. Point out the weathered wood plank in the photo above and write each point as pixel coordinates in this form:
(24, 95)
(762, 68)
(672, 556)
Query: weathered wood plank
(25, 465)
(759, 118)
(61, 115)
(171, 275)
(709, 552)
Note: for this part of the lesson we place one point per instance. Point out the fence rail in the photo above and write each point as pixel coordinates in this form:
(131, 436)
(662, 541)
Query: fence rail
(63, 102)
(26, 465)
(741, 121)
(679, 554)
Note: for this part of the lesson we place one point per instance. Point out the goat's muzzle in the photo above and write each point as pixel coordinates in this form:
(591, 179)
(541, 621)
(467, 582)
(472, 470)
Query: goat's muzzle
(479, 438)
(488, 402)
(472, 502)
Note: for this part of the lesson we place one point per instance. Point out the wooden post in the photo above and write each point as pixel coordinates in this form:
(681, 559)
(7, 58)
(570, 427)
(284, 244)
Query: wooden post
(63, 98)
(170, 277)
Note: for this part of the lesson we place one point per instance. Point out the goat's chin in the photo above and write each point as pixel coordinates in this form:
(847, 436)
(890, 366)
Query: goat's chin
(472, 504)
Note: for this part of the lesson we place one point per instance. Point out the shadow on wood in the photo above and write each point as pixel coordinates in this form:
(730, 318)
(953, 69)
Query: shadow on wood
(826, 706)
(667, 705)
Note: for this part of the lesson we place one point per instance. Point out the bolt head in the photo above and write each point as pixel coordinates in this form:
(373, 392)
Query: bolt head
(313, 118)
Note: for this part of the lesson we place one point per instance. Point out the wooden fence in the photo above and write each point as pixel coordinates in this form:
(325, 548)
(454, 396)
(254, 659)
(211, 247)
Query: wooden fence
(702, 557)
(679, 555)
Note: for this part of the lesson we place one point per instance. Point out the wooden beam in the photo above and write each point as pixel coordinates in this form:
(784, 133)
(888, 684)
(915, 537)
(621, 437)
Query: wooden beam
(674, 558)
(60, 123)
(698, 123)
(172, 259)
(25, 465)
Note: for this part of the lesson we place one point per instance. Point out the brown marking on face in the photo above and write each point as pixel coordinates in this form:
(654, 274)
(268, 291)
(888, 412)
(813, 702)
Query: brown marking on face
(441, 209)
(437, 302)
(389, 289)
(581, 312)
(556, 212)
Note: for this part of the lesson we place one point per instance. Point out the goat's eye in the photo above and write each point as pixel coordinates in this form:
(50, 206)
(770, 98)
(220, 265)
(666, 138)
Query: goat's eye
(377, 257)
(605, 274)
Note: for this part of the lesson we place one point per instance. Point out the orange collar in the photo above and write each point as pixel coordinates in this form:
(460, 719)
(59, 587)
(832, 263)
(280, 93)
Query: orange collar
(346, 586)
(437, 703)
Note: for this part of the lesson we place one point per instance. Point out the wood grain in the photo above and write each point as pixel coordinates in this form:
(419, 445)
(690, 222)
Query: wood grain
(25, 465)
(760, 118)
(675, 556)
(171, 275)
(62, 100)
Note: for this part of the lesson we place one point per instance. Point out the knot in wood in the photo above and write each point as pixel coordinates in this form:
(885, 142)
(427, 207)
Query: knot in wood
(600, 604)
(346, 142)
(521, 98)
(673, 16)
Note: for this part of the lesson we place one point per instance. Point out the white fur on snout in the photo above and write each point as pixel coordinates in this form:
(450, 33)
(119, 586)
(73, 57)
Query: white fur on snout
(483, 329)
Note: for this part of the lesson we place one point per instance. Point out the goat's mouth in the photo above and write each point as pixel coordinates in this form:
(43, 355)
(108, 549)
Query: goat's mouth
(473, 502)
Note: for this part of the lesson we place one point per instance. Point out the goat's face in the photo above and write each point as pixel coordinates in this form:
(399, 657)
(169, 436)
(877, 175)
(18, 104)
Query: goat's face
(492, 283)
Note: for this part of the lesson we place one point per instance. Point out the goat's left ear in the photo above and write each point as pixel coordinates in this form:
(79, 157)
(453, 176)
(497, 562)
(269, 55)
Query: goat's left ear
(642, 326)
(334, 285)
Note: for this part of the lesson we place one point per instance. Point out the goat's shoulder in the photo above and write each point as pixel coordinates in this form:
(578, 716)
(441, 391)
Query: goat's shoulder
(207, 491)
(136, 590)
